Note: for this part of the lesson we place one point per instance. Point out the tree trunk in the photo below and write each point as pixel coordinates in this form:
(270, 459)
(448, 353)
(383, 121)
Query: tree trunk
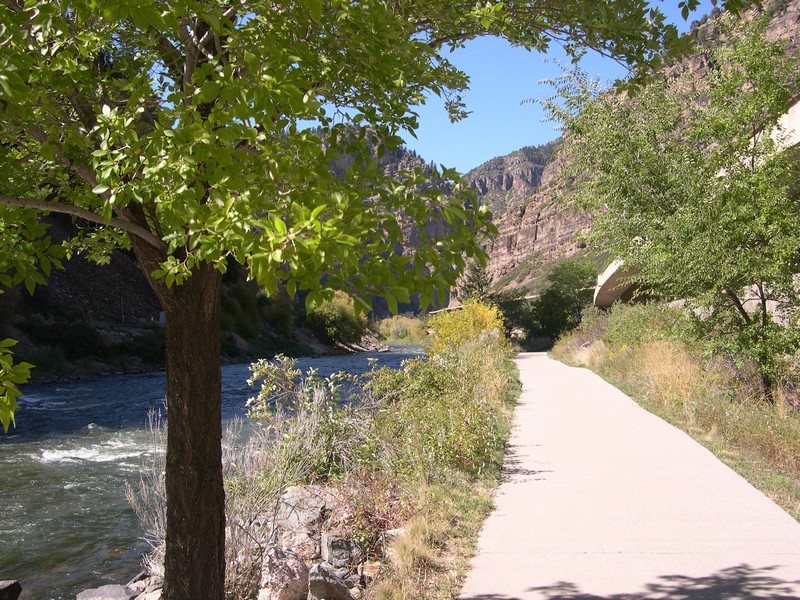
(195, 544)
(768, 388)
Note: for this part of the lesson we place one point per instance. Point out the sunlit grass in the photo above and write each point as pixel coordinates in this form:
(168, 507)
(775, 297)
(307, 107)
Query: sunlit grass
(708, 397)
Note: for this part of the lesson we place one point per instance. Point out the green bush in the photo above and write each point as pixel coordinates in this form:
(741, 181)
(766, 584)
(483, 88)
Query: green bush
(149, 347)
(335, 321)
(75, 340)
(631, 324)
(240, 312)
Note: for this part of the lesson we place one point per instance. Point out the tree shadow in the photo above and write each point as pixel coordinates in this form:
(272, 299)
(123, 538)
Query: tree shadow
(512, 467)
(741, 582)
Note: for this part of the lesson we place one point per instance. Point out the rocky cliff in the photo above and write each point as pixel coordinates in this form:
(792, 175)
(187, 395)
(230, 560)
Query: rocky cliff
(535, 230)
(509, 180)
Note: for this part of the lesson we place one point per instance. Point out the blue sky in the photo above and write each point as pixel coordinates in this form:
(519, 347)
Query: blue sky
(502, 77)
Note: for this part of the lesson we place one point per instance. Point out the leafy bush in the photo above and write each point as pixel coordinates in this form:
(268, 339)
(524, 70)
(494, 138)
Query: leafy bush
(240, 312)
(75, 340)
(451, 329)
(631, 324)
(446, 411)
(402, 329)
(322, 435)
(335, 321)
(277, 311)
(149, 347)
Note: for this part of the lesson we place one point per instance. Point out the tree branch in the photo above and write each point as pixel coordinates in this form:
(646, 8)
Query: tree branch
(87, 215)
(738, 305)
(83, 171)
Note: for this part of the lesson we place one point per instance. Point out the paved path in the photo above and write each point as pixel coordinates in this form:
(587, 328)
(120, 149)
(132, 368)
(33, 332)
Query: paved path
(602, 500)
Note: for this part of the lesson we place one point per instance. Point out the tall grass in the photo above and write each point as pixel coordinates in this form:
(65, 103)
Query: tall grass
(417, 447)
(648, 351)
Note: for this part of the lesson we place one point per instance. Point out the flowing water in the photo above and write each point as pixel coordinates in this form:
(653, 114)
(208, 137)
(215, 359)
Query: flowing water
(64, 523)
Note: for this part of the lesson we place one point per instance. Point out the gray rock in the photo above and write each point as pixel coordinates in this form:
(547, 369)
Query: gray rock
(106, 592)
(299, 517)
(284, 576)
(357, 593)
(154, 595)
(323, 584)
(340, 552)
(10, 589)
(348, 575)
(154, 583)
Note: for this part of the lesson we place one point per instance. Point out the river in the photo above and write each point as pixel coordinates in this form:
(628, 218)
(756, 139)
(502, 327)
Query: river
(64, 523)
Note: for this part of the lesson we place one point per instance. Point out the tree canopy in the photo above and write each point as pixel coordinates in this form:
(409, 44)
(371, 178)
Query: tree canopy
(691, 184)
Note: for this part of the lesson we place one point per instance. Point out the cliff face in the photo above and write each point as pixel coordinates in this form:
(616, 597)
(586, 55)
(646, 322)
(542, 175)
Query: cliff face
(507, 181)
(535, 230)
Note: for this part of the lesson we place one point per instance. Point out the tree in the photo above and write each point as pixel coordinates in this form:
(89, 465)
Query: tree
(691, 185)
(474, 283)
(570, 286)
(178, 129)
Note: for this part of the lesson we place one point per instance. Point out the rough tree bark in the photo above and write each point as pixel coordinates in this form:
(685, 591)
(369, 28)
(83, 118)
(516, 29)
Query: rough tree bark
(194, 484)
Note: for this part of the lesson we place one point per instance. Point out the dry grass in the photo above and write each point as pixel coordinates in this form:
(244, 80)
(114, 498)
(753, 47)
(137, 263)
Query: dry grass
(710, 399)
(430, 559)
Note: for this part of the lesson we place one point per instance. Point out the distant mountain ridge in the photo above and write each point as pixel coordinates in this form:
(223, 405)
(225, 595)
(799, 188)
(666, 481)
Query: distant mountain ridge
(505, 181)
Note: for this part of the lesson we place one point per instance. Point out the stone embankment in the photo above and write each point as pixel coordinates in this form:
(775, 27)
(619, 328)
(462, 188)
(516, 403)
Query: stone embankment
(307, 551)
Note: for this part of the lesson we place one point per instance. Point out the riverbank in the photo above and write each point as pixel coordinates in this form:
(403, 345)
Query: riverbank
(66, 464)
(375, 496)
(141, 354)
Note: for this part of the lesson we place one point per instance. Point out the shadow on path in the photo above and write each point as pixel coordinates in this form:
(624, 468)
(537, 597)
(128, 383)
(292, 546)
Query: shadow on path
(742, 582)
(514, 472)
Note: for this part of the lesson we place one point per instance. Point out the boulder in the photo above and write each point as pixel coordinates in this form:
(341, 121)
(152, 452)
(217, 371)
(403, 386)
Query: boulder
(284, 576)
(10, 589)
(339, 551)
(323, 584)
(154, 595)
(107, 592)
(299, 517)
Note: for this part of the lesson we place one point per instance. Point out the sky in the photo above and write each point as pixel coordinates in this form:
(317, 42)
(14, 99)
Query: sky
(502, 78)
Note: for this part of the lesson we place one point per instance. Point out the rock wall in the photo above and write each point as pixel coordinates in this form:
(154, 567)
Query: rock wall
(539, 227)
(507, 181)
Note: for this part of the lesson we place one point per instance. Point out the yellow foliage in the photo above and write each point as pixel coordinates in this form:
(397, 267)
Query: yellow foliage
(454, 328)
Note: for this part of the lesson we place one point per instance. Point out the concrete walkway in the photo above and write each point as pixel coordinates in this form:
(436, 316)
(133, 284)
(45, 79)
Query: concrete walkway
(602, 500)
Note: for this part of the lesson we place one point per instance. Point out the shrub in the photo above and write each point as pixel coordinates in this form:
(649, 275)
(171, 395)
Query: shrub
(335, 321)
(402, 329)
(637, 323)
(239, 309)
(451, 329)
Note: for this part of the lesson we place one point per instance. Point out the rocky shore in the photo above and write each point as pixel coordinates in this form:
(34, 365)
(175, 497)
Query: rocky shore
(308, 550)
